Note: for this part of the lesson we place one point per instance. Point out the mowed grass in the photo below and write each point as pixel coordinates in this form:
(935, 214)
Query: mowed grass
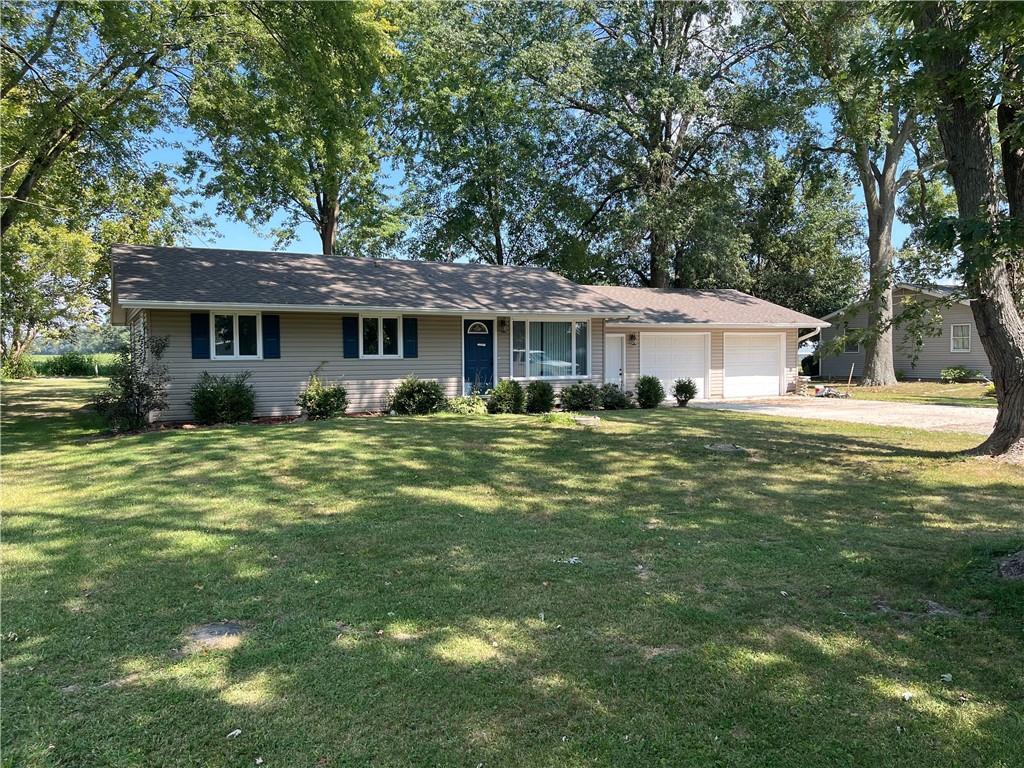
(928, 393)
(406, 602)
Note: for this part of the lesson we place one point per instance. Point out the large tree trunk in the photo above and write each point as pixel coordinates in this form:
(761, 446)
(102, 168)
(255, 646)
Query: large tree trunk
(328, 227)
(965, 132)
(879, 370)
(880, 200)
(1009, 118)
(659, 250)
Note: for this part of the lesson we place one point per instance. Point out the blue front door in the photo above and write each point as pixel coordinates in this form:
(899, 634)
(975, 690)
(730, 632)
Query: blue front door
(478, 355)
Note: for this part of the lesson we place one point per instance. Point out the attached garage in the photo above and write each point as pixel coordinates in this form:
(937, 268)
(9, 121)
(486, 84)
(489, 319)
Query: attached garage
(754, 364)
(671, 356)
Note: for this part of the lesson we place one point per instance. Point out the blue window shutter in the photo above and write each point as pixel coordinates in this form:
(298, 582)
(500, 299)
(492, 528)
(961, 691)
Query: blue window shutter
(271, 336)
(350, 335)
(200, 336)
(410, 337)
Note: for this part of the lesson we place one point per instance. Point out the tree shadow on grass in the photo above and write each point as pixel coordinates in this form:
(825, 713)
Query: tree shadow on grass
(437, 545)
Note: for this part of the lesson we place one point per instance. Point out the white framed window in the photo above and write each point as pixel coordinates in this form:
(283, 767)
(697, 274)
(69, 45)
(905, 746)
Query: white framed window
(960, 337)
(550, 349)
(236, 336)
(380, 336)
(851, 347)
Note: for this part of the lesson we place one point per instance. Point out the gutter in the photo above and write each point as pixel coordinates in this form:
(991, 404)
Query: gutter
(202, 306)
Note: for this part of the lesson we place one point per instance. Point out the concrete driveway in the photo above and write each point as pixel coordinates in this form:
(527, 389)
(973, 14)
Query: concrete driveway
(938, 418)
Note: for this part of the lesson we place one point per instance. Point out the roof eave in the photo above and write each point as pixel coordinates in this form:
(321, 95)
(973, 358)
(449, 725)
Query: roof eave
(715, 326)
(206, 306)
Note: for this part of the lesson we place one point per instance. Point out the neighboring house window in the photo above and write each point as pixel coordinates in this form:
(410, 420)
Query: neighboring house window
(380, 336)
(852, 346)
(550, 349)
(236, 336)
(960, 337)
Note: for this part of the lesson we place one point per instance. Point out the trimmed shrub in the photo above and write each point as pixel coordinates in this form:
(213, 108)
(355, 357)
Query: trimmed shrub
(581, 397)
(467, 405)
(417, 397)
(989, 391)
(958, 374)
(136, 389)
(809, 365)
(507, 397)
(19, 368)
(614, 399)
(322, 401)
(68, 364)
(684, 390)
(223, 399)
(649, 392)
(540, 397)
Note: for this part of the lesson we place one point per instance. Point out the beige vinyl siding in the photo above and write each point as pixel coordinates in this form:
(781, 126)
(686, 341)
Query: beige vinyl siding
(933, 356)
(311, 339)
(307, 341)
(716, 381)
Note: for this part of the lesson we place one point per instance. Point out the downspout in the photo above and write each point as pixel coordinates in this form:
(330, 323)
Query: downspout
(801, 339)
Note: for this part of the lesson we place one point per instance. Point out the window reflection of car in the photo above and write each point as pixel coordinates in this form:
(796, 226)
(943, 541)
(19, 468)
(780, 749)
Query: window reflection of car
(539, 366)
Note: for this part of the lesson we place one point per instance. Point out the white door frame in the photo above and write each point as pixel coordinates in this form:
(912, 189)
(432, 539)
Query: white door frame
(783, 383)
(707, 357)
(621, 337)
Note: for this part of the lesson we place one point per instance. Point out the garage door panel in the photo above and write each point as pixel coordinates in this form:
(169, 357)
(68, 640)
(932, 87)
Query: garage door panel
(753, 365)
(675, 356)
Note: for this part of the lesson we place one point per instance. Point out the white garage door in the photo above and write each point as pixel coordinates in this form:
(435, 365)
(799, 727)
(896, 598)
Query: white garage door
(671, 356)
(753, 364)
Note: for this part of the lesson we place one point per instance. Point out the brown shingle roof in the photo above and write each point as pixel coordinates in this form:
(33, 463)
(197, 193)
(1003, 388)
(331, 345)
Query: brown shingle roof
(710, 307)
(151, 276)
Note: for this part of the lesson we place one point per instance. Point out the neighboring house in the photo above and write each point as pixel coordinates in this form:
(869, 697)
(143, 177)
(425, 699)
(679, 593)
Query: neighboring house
(370, 323)
(955, 343)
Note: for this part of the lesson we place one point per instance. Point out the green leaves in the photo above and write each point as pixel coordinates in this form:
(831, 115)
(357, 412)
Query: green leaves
(291, 110)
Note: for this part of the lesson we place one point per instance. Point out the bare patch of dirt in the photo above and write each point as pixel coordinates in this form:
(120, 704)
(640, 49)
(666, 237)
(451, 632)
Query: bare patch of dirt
(938, 609)
(216, 636)
(1012, 567)
(931, 610)
(122, 682)
(642, 572)
(656, 651)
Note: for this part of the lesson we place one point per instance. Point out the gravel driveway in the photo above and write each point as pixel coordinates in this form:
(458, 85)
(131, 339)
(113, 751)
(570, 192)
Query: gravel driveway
(938, 418)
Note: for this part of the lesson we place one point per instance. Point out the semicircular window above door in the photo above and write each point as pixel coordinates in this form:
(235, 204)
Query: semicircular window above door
(477, 327)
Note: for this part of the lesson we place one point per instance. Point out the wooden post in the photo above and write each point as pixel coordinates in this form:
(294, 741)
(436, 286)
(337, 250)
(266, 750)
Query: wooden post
(849, 381)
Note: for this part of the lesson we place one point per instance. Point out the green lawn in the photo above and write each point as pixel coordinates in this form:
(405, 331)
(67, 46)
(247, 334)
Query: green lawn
(406, 604)
(928, 393)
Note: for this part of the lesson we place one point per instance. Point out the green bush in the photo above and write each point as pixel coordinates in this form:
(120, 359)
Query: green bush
(958, 374)
(68, 364)
(507, 397)
(540, 397)
(581, 397)
(223, 399)
(558, 418)
(468, 405)
(137, 388)
(322, 401)
(989, 391)
(19, 368)
(649, 392)
(684, 390)
(417, 397)
(614, 399)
